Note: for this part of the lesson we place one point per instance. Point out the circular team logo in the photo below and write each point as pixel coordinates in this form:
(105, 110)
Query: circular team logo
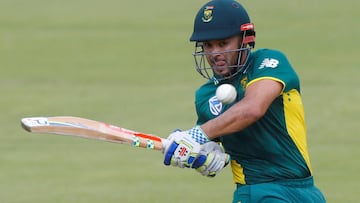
(215, 106)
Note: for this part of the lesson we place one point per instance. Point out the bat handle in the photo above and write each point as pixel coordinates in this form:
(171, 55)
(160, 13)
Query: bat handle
(165, 143)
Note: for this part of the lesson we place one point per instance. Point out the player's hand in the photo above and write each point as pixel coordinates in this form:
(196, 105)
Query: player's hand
(211, 160)
(184, 146)
(181, 150)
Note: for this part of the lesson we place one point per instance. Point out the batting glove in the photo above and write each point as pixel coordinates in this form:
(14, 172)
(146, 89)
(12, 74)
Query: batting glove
(184, 147)
(211, 160)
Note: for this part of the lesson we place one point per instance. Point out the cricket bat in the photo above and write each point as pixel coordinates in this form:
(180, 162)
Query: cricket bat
(86, 128)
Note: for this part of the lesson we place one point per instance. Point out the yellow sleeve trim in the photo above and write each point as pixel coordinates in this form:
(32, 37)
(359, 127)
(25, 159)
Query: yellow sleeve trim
(268, 78)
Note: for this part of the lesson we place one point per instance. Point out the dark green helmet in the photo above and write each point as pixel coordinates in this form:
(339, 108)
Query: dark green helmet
(219, 19)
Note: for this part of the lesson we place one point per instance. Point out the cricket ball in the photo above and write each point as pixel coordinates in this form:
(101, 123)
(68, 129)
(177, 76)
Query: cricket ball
(226, 93)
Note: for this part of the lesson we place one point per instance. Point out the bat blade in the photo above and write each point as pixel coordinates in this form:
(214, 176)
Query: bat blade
(86, 128)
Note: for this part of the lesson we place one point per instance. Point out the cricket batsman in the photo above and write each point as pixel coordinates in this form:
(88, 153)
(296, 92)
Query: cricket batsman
(262, 132)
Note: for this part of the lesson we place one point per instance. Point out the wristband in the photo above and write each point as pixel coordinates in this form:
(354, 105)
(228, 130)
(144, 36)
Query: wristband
(198, 135)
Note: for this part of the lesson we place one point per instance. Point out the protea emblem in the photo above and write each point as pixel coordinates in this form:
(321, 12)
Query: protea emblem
(215, 106)
(208, 14)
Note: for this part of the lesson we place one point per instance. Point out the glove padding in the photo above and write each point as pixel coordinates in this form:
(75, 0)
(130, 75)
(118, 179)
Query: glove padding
(211, 160)
(181, 151)
(184, 150)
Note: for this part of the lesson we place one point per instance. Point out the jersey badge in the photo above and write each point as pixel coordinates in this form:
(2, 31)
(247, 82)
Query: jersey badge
(243, 82)
(215, 106)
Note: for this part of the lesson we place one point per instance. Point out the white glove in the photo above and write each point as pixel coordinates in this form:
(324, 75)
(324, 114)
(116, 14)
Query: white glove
(184, 146)
(211, 160)
(181, 151)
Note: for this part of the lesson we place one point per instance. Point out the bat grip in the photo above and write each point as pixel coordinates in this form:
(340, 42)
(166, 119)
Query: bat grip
(165, 143)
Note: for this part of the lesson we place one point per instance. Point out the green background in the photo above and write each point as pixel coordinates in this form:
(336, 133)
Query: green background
(129, 63)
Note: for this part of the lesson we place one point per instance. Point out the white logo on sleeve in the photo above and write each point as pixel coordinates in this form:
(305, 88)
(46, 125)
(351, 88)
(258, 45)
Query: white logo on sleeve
(269, 63)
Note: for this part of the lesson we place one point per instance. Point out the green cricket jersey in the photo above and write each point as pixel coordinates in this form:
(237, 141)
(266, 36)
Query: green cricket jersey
(274, 147)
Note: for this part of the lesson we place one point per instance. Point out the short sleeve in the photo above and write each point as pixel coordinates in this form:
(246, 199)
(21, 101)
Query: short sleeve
(273, 64)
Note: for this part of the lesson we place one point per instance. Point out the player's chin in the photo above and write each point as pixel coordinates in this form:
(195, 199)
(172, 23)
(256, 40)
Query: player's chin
(222, 71)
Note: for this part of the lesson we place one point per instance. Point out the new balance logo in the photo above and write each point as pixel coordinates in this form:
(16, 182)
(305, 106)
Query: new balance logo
(269, 63)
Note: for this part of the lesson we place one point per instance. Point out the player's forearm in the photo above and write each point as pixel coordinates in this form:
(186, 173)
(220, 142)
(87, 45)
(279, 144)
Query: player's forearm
(258, 97)
(235, 119)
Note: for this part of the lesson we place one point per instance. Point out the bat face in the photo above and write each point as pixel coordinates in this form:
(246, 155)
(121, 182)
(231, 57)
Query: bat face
(85, 128)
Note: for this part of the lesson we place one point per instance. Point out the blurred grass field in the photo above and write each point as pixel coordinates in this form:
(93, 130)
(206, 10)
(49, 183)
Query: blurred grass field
(129, 63)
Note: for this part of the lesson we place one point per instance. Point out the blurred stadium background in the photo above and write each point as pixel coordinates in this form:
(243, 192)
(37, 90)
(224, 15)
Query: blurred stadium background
(129, 63)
